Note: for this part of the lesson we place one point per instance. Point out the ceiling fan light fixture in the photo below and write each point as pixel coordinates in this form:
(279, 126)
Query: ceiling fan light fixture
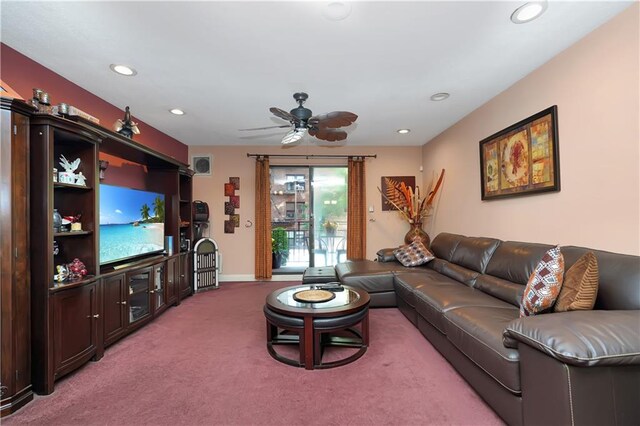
(123, 70)
(293, 136)
(403, 131)
(437, 97)
(337, 11)
(528, 12)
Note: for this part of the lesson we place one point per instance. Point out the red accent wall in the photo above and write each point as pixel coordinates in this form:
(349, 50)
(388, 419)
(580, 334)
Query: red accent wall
(125, 173)
(23, 74)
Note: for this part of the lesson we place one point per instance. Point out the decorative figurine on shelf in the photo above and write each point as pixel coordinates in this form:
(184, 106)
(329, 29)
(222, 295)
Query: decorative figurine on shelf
(56, 248)
(63, 273)
(81, 179)
(77, 270)
(35, 101)
(126, 127)
(73, 222)
(68, 176)
(57, 221)
(103, 166)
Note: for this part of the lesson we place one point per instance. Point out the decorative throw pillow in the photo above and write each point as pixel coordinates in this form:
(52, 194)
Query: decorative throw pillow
(413, 254)
(580, 286)
(544, 284)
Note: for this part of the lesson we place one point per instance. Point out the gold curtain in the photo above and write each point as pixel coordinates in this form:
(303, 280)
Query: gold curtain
(263, 219)
(357, 210)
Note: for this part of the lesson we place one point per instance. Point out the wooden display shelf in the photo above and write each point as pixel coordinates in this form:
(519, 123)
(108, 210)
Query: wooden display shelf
(71, 283)
(70, 185)
(71, 233)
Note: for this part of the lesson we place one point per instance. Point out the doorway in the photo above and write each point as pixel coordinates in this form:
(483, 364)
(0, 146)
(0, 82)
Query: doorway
(309, 209)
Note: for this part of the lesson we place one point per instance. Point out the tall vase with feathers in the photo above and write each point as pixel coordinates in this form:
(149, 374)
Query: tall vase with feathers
(412, 208)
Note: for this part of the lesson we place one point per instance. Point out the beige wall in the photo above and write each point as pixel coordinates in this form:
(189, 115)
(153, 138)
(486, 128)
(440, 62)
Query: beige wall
(595, 85)
(237, 249)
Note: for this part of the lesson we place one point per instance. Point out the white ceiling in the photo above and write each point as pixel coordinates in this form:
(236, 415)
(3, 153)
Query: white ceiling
(226, 63)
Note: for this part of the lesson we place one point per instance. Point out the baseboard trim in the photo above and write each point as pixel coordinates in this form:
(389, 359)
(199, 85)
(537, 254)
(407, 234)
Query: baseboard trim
(240, 277)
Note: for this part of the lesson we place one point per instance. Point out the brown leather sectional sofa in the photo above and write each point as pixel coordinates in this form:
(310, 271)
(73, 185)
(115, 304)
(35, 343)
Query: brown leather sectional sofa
(580, 367)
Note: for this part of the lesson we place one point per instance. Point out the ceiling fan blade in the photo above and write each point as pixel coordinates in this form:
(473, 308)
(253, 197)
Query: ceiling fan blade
(328, 134)
(283, 114)
(333, 120)
(268, 127)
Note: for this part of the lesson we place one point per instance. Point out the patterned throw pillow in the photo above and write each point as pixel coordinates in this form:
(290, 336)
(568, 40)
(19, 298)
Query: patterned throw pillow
(544, 284)
(413, 254)
(580, 286)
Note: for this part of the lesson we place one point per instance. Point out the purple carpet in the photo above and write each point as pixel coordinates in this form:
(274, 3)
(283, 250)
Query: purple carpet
(205, 362)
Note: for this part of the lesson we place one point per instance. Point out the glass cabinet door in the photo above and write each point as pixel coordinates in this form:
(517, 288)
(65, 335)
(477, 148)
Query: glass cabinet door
(139, 297)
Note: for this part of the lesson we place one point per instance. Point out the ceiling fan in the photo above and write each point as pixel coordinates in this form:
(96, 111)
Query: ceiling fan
(323, 126)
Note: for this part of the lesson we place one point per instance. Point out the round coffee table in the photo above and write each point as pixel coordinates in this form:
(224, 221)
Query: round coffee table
(314, 326)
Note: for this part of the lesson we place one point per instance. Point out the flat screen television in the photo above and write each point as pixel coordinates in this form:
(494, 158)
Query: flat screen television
(131, 223)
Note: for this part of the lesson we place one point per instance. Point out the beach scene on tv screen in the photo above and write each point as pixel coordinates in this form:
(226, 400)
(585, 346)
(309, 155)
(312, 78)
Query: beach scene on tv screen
(131, 223)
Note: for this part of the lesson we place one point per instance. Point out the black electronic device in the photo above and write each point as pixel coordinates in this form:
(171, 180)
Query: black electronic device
(332, 286)
(200, 211)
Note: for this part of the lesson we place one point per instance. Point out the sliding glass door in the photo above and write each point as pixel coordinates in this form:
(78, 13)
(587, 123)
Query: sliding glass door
(329, 197)
(308, 207)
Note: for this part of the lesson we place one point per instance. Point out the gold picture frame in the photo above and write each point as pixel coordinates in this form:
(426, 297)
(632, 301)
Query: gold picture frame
(521, 159)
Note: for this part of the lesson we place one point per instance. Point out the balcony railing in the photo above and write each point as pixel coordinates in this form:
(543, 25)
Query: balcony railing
(330, 248)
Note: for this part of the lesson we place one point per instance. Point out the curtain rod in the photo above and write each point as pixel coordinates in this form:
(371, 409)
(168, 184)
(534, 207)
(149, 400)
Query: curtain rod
(311, 156)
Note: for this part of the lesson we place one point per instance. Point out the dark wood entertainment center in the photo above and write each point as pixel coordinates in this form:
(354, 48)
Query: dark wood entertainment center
(50, 329)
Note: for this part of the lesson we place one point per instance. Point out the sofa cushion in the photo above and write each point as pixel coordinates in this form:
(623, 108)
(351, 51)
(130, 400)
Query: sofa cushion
(405, 284)
(441, 294)
(544, 285)
(437, 264)
(474, 252)
(502, 289)
(414, 254)
(371, 276)
(477, 332)
(580, 285)
(386, 255)
(445, 244)
(514, 261)
(459, 273)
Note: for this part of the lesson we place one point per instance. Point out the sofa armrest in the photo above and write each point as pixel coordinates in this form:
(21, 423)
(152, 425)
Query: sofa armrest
(386, 255)
(581, 338)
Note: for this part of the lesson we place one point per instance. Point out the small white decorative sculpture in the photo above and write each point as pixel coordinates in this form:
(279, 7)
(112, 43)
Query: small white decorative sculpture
(67, 166)
(81, 179)
(68, 176)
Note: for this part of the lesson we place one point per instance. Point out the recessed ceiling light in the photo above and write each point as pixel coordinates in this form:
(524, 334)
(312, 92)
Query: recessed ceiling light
(403, 131)
(337, 11)
(528, 12)
(176, 111)
(439, 96)
(123, 70)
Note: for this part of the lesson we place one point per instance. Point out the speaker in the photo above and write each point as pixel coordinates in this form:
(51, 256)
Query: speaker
(201, 164)
(168, 245)
(200, 211)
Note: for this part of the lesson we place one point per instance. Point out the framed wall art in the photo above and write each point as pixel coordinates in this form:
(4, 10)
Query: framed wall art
(229, 190)
(228, 208)
(388, 185)
(235, 181)
(521, 159)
